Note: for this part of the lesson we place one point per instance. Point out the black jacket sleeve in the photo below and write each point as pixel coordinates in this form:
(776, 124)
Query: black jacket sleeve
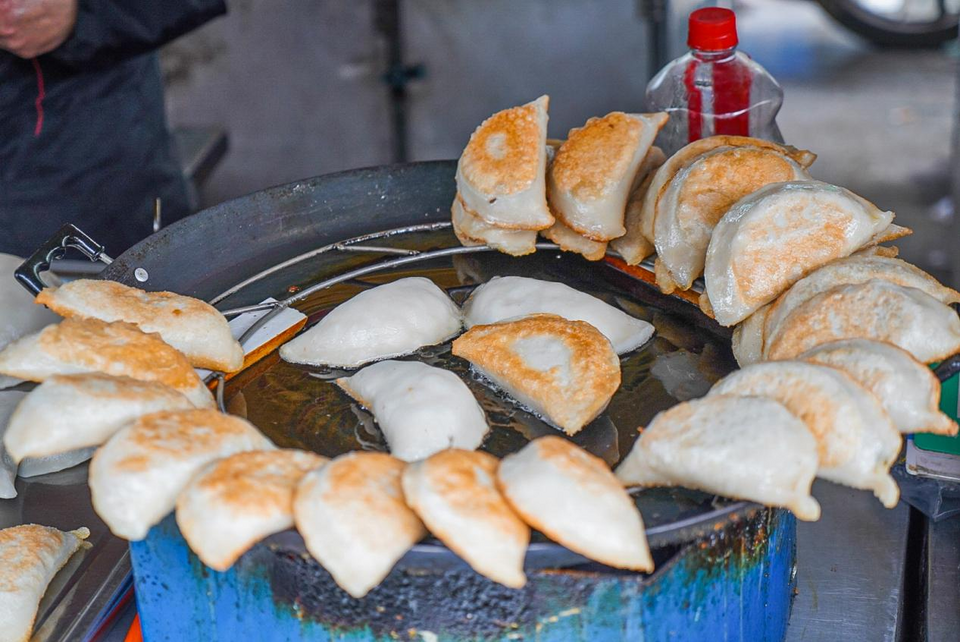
(108, 31)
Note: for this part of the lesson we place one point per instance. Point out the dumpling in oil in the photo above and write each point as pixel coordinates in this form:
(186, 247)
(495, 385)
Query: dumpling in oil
(856, 439)
(360, 493)
(574, 499)
(850, 271)
(594, 171)
(455, 493)
(907, 389)
(565, 371)
(135, 477)
(634, 246)
(699, 195)
(419, 408)
(387, 321)
(510, 297)
(879, 310)
(471, 230)
(233, 503)
(748, 448)
(774, 237)
(501, 174)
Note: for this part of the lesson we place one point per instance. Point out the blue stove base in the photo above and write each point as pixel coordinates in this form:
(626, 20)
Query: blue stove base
(736, 585)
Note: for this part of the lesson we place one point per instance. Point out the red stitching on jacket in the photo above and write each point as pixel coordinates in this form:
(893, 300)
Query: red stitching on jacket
(40, 96)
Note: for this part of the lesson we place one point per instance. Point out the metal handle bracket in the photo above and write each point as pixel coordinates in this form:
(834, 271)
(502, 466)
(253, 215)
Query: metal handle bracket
(69, 236)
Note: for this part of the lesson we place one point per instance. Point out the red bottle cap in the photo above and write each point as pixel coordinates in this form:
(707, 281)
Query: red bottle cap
(712, 29)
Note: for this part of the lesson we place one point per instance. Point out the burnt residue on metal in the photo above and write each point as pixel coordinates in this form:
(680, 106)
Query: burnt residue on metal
(452, 603)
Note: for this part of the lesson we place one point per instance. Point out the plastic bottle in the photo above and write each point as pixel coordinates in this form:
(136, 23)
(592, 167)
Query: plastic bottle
(714, 89)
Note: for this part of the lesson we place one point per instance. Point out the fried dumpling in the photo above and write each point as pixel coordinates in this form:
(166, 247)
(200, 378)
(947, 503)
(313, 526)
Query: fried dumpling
(907, 389)
(419, 408)
(361, 494)
(9, 399)
(565, 371)
(67, 412)
(472, 230)
(30, 556)
(78, 346)
(594, 171)
(856, 439)
(509, 297)
(647, 215)
(574, 499)
(772, 238)
(501, 174)
(571, 241)
(387, 321)
(748, 448)
(233, 503)
(747, 339)
(136, 476)
(878, 310)
(19, 316)
(699, 195)
(194, 327)
(455, 493)
(849, 271)
(634, 246)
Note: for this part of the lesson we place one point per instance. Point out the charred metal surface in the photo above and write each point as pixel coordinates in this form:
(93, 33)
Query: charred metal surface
(735, 584)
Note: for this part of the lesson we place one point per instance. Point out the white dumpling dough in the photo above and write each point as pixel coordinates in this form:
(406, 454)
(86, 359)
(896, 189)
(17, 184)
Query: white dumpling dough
(742, 447)
(856, 440)
(387, 321)
(509, 297)
(420, 409)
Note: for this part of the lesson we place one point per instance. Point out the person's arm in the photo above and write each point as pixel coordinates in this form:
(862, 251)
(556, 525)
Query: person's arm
(111, 30)
(86, 33)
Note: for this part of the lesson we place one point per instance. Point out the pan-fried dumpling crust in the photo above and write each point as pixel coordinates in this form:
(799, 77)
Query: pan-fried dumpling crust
(850, 271)
(688, 154)
(879, 310)
(233, 503)
(120, 349)
(67, 412)
(354, 520)
(510, 297)
(574, 499)
(856, 440)
(455, 494)
(564, 370)
(387, 321)
(472, 230)
(747, 340)
(501, 174)
(907, 389)
(774, 237)
(594, 171)
(633, 246)
(748, 448)
(30, 556)
(570, 241)
(699, 195)
(190, 325)
(136, 476)
(420, 409)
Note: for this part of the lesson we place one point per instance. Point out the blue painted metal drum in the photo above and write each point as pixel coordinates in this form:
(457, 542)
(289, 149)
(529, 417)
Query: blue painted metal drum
(736, 584)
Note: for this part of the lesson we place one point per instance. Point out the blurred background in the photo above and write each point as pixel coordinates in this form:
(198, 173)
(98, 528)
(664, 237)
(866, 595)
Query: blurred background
(274, 92)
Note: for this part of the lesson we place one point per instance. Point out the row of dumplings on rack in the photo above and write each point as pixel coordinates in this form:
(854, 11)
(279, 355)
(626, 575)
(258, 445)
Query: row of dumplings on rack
(844, 328)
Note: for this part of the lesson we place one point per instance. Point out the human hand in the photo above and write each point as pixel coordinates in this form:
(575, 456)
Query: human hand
(29, 28)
